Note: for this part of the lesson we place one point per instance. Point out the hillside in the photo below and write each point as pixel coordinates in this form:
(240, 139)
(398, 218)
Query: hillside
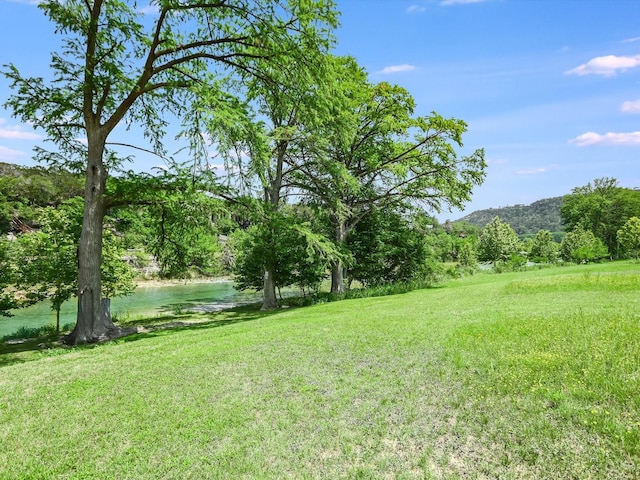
(541, 215)
(24, 189)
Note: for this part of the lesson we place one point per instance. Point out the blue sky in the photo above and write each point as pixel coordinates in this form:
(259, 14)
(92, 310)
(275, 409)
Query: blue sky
(549, 88)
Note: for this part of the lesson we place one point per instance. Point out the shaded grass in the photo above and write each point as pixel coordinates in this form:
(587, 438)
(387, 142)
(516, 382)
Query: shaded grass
(493, 376)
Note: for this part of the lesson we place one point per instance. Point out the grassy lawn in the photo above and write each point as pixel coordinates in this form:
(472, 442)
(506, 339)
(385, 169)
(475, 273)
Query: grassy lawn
(519, 375)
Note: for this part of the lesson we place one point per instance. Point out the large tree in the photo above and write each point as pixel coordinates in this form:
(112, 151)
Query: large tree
(544, 248)
(601, 208)
(580, 245)
(119, 66)
(498, 242)
(374, 153)
(629, 236)
(386, 248)
(280, 116)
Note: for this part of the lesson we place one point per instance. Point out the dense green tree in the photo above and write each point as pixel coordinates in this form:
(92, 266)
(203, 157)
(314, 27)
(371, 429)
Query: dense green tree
(116, 66)
(49, 268)
(629, 236)
(544, 248)
(580, 245)
(602, 208)
(448, 240)
(467, 253)
(374, 153)
(498, 242)
(184, 235)
(8, 298)
(300, 256)
(384, 248)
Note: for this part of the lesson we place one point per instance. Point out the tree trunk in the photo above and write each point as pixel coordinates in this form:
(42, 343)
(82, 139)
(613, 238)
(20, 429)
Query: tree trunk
(272, 200)
(270, 301)
(337, 278)
(337, 268)
(94, 317)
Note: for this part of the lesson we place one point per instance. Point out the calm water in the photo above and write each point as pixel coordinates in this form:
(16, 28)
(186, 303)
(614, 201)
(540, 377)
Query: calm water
(146, 301)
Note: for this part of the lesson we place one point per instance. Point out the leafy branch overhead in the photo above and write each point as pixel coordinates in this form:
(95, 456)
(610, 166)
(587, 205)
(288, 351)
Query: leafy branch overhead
(118, 64)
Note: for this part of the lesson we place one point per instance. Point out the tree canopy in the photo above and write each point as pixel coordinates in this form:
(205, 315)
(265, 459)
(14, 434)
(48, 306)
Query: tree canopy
(373, 152)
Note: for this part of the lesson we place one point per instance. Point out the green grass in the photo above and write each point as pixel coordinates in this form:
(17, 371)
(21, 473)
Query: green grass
(520, 375)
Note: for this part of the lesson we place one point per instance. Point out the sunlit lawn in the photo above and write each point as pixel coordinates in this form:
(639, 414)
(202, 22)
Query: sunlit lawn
(521, 375)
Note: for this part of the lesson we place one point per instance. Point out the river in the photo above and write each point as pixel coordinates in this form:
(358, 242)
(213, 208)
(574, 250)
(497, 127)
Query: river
(145, 301)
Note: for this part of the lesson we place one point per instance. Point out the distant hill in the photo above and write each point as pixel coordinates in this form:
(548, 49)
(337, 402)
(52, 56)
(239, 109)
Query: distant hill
(541, 215)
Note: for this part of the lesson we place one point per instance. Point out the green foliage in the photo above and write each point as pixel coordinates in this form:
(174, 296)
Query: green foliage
(498, 242)
(453, 242)
(377, 154)
(8, 256)
(601, 208)
(300, 255)
(133, 224)
(629, 236)
(467, 254)
(514, 263)
(385, 249)
(544, 248)
(184, 235)
(117, 275)
(581, 246)
(23, 190)
(49, 268)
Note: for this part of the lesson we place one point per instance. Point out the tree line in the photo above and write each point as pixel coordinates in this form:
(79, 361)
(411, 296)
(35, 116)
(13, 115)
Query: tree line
(600, 222)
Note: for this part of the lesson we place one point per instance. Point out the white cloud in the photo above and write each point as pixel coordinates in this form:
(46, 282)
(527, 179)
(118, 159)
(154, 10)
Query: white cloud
(531, 171)
(497, 161)
(593, 138)
(16, 132)
(607, 66)
(631, 40)
(631, 106)
(150, 10)
(416, 9)
(446, 3)
(8, 155)
(397, 68)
